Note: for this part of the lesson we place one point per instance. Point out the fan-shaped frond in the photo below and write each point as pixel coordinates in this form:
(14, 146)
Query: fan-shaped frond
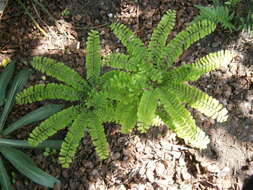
(119, 61)
(182, 120)
(53, 124)
(133, 44)
(147, 109)
(93, 58)
(160, 35)
(200, 101)
(97, 133)
(48, 91)
(217, 14)
(185, 39)
(59, 71)
(72, 140)
(192, 72)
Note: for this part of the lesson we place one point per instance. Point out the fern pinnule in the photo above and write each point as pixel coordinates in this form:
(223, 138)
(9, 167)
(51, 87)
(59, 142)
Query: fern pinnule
(48, 91)
(185, 39)
(54, 123)
(93, 58)
(72, 140)
(59, 71)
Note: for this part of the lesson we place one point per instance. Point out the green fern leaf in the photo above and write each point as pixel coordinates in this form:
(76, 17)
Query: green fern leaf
(200, 101)
(60, 71)
(97, 133)
(160, 35)
(183, 122)
(126, 115)
(218, 15)
(93, 58)
(48, 91)
(147, 109)
(192, 72)
(53, 124)
(185, 39)
(133, 44)
(119, 61)
(72, 140)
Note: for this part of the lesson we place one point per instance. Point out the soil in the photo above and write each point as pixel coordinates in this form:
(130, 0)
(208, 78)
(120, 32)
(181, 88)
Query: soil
(158, 159)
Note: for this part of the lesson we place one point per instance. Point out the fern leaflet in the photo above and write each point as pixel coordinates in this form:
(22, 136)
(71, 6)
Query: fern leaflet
(93, 57)
(48, 91)
(59, 71)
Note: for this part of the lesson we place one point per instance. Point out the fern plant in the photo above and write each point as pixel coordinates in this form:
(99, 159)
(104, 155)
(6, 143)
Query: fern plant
(9, 148)
(89, 106)
(234, 15)
(149, 90)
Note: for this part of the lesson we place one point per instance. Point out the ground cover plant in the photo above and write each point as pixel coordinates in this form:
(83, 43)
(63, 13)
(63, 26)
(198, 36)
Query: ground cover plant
(146, 85)
(90, 107)
(9, 148)
(227, 15)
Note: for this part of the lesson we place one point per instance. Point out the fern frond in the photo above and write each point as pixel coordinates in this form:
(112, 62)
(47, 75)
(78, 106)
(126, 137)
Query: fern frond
(59, 71)
(147, 109)
(133, 44)
(126, 115)
(93, 58)
(185, 39)
(192, 72)
(200, 101)
(218, 15)
(72, 140)
(160, 35)
(53, 124)
(182, 120)
(48, 91)
(119, 61)
(157, 122)
(97, 133)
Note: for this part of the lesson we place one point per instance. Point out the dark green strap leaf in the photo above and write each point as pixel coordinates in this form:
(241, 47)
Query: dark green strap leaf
(4, 178)
(18, 83)
(56, 144)
(5, 78)
(34, 116)
(26, 166)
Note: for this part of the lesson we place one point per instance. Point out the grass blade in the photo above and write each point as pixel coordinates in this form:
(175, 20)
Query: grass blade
(4, 178)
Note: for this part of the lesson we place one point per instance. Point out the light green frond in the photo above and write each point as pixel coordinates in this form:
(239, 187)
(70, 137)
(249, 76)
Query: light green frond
(93, 57)
(200, 101)
(147, 109)
(133, 44)
(182, 120)
(218, 14)
(126, 115)
(48, 91)
(53, 124)
(97, 133)
(185, 39)
(72, 140)
(157, 122)
(160, 35)
(117, 84)
(192, 72)
(59, 71)
(119, 61)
